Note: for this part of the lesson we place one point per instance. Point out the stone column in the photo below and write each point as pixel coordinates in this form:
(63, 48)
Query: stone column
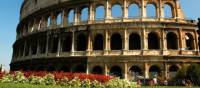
(144, 40)
(181, 41)
(38, 47)
(91, 14)
(163, 41)
(64, 18)
(196, 42)
(77, 16)
(105, 69)
(107, 42)
(47, 44)
(166, 70)
(176, 9)
(143, 10)
(146, 70)
(161, 11)
(108, 12)
(125, 70)
(125, 13)
(126, 42)
(89, 46)
(59, 46)
(73, 43)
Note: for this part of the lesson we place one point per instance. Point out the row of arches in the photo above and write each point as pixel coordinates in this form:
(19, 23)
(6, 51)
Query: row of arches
(83, 14)
(98, 43)
(134, 11)
(135, 71)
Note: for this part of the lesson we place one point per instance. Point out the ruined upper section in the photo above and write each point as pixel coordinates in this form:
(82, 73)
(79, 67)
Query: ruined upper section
(31, 6)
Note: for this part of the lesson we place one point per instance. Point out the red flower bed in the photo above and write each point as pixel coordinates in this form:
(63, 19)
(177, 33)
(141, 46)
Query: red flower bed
(61, 75)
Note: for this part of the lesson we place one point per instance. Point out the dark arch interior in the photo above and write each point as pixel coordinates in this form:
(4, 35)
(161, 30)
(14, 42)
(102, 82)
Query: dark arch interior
(42, 45)
(116, 71)
(66, 43)
(173, 68)
(81, 42)
(153, 41)
(134, 42)
(136, 70)
(34, 47)
(172, 42)
(98, 42)
(53, 44)
(79, 69)
(116, 42)
(97, 70)
(65, 68)
(189, 41)
(154, 69)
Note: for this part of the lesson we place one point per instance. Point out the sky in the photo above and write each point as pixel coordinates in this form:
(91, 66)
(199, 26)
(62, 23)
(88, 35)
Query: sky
(9, 18)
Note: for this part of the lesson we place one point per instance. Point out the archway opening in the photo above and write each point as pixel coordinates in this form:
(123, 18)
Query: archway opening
(189, 41)
(81, 42)
(136, 72)
(116, 11)
(151, 11)
(100, 12)
(97, 70)
(59, 19)
(98, 42)
(133, 11)
(84, 14)
(116, 71)
(70, 17)
(172, 41)
(53, 44)
(154, 71)
(66, 42)
(153, 41)
(168, 11)
(116, 42)
(134, 42)
(173, 71)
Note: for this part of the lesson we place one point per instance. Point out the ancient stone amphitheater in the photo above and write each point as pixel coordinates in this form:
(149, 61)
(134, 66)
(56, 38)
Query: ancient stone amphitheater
(124, 38)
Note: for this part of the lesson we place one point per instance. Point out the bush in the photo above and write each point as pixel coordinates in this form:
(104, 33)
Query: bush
(36, 80)
(20, 78)
(7, 78)
(119, 83)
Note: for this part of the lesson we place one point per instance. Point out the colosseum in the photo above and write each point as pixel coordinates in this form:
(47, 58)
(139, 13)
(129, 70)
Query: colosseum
(123, 38)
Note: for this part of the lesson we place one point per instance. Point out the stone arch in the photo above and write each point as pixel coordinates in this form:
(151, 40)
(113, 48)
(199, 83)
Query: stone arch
(117, 8)
(134, 41)
(71, 16)
(98, 42)
(151, 11)
(189, 41)
(153, 40)
(168, 11)
(79, 69)
(172, 41)
(154, 71)
(100, 12)
(66, 42)
(116, 71)
(136, 70)
(116, 42)
(59, 18)
(81, 42)
(133, 10)
(173, 69)
(84, 14)
(97, 70)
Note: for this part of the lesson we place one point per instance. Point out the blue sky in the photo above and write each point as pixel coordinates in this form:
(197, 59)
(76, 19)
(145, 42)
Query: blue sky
(9, 18)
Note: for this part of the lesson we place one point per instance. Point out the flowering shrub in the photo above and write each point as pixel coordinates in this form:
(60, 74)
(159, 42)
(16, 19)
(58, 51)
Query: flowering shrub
(69, 80)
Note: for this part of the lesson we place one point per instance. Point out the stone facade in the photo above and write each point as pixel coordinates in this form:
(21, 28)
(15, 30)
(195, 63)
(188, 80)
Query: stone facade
(55, 35)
